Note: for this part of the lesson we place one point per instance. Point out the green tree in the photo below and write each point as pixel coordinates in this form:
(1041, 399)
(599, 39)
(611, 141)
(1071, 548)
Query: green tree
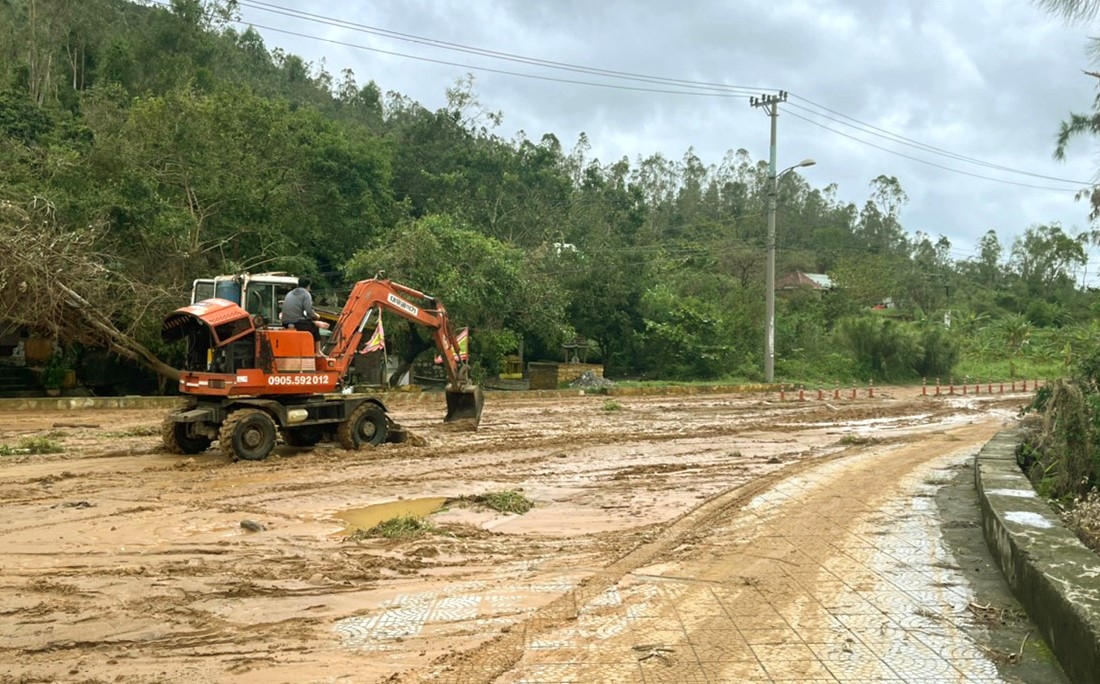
(497, 290)
(879, 226)
(1015, 331)
(1078, 124)
(1045, 260)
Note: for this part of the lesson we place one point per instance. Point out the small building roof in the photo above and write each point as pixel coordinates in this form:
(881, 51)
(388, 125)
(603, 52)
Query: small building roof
(816, 281)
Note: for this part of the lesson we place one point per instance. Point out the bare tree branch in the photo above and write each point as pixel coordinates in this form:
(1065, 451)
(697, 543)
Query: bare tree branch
(54, 280)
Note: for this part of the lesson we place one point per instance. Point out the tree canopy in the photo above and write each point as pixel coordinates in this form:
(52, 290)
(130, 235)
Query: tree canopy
(169, 145)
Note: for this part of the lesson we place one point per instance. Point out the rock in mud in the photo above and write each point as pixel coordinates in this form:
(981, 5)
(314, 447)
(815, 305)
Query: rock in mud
(252, 526)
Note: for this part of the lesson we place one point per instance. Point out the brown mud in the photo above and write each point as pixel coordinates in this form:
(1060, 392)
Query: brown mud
(120, 562)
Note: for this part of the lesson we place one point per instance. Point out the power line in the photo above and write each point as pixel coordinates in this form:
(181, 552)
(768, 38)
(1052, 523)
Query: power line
(875, 130)
(495, 54)
(470, 67)
(925, 161)
(703, 87)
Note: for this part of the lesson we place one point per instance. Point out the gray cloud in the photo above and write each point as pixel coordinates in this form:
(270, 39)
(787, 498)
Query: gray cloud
(988, 79)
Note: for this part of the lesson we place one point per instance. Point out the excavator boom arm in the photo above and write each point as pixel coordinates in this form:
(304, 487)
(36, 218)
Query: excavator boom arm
(348, 332)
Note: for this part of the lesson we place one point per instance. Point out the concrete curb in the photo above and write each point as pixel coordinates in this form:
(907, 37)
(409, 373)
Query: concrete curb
(77, 403)
(394, 398)
(1055, 577)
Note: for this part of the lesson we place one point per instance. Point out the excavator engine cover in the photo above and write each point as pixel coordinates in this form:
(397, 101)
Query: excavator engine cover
(464, 404)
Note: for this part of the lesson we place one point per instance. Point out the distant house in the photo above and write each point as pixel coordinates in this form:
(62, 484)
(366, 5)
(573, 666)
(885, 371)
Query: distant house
(813, 281)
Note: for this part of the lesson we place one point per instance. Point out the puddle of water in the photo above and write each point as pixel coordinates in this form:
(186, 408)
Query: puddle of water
(367, 517)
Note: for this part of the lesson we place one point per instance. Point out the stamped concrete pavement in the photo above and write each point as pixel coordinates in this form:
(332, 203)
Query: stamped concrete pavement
(840, 573)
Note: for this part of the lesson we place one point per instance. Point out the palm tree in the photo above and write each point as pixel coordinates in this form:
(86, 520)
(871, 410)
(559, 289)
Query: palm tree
(1015, 330)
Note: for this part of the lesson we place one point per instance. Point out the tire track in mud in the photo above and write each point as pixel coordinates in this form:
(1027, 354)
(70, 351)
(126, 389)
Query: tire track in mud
(486, 662)
(497, 656)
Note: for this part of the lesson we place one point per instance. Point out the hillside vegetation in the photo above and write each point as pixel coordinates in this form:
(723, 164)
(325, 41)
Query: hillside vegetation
(144, 146)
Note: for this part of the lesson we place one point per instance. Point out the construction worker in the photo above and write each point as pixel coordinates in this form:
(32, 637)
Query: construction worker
(298, 312)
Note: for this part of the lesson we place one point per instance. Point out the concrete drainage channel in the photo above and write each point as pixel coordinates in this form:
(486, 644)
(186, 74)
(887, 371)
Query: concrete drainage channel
(1054, 576)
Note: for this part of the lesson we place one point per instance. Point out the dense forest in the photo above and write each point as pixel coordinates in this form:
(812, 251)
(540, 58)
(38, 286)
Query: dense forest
(142, 146)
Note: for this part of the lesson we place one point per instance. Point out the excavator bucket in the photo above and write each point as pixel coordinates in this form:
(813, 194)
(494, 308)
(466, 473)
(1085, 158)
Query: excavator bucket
(464, 404)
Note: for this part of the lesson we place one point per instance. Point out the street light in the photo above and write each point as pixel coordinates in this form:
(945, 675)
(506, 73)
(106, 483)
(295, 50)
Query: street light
(769, 267)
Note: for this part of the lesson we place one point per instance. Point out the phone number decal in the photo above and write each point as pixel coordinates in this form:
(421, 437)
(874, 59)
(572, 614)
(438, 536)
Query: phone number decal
(297, 379)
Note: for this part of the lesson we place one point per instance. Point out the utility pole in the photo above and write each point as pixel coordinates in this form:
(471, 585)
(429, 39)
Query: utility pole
(770, 103)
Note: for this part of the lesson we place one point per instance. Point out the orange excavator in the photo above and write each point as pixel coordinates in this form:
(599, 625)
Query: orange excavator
(247, 379)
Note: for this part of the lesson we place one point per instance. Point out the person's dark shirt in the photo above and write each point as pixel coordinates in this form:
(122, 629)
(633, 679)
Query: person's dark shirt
(298, 306)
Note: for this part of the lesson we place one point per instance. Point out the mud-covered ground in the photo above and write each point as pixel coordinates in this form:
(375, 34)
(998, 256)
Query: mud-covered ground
(122, 563)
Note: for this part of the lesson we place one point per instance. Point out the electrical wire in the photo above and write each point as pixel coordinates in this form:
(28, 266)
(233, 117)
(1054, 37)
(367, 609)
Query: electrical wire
(495, 54)
(866, 127)
(702, 87)
(471, 67)
(926, 162)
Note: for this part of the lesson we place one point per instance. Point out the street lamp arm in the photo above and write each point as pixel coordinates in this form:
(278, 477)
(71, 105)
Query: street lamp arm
(799, 165)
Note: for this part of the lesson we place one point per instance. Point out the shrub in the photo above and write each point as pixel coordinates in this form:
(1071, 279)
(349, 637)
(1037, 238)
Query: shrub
(1056, 452)
(883, 349)
(939, 352)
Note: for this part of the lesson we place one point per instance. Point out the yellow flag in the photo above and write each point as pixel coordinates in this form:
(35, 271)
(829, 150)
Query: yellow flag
(377, 341)
(462, 341)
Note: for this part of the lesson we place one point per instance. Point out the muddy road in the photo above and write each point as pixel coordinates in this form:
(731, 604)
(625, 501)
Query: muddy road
(700, 538)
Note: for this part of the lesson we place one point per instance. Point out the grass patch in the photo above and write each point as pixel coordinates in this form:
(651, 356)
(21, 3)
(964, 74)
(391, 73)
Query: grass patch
(142, 431)
(32, 445)
(401, 527)
(612, 405)
(982, 370)
(718, 382)
(858, 440)
(507, 501)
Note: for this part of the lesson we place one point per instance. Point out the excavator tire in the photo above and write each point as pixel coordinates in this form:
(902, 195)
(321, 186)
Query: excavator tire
(177, 441)
(247, 434)
(366, 425)
(302, 436)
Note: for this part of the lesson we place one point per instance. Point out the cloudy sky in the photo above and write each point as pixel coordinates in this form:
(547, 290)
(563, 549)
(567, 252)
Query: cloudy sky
(961, 101)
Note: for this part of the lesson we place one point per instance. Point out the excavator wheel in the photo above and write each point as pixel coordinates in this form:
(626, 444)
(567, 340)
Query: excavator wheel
(177, 441)
(247, 434)
(366, 425)
(302, 436)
